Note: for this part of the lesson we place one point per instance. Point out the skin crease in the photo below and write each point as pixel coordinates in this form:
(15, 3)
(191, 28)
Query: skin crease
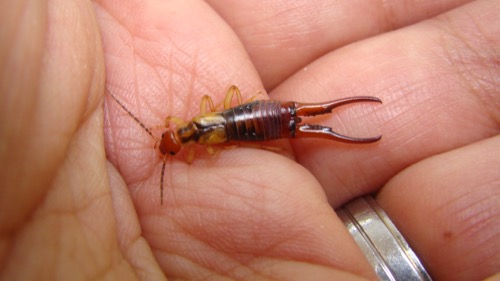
(79, 192)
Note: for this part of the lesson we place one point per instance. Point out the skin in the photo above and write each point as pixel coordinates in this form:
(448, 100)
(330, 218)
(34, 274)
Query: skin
(79, 192)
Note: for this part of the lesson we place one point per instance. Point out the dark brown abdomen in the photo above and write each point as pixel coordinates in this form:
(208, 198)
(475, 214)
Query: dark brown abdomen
(255, 121)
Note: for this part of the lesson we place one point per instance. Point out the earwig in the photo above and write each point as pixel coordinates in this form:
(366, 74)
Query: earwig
(253, 121)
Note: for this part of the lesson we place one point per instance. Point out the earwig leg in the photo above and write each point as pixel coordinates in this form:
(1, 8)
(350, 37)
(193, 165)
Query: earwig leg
(232, 146)
(254, 97)
(233, 90)
(318, 131)
(272, 148)
(173, 119)
(214, 150)
(257, 146)
(211, 150)
(312, 109)
(206, 100)
(190, 155)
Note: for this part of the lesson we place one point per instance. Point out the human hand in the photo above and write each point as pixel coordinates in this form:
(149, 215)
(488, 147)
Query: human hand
(247, 212)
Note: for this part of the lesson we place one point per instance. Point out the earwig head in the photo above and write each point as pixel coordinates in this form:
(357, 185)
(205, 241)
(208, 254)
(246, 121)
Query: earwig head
(169, 143)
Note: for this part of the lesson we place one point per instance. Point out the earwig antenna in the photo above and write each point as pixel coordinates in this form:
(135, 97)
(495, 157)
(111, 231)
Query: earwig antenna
(147, 129)
(161, 178)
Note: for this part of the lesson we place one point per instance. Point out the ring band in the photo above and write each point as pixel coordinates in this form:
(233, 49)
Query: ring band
(380, 241)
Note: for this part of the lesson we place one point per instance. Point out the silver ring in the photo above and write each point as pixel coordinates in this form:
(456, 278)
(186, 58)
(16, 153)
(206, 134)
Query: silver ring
(380, 241)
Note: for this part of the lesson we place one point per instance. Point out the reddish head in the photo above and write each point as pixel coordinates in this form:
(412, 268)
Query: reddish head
(169, 143)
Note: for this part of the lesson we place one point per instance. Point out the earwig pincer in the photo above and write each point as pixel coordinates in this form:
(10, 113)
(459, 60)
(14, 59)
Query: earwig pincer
(253, 121)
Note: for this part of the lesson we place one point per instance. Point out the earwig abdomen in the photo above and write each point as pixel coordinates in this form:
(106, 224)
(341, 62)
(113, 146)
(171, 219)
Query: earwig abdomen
(260, 120)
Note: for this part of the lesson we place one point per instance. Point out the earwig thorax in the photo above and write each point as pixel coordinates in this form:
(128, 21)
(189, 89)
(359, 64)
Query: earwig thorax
(186, 132)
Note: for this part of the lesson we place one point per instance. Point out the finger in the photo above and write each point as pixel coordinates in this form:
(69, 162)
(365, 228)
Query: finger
(35, 137)
(161, 55)
(52, 167)
(135, 248)
(438, 83)
(282, 36)
(447, 208)
(249, 213)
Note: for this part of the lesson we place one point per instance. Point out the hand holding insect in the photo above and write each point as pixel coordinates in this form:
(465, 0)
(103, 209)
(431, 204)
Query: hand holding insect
(80, 202)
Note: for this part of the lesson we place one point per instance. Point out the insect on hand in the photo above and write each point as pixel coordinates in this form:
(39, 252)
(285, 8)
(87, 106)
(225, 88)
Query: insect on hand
(253, 121)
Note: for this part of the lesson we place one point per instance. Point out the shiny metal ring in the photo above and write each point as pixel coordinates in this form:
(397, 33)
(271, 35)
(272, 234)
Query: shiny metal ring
(380, 241)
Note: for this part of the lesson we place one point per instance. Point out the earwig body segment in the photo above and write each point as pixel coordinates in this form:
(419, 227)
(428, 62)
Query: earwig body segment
(254, 121)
